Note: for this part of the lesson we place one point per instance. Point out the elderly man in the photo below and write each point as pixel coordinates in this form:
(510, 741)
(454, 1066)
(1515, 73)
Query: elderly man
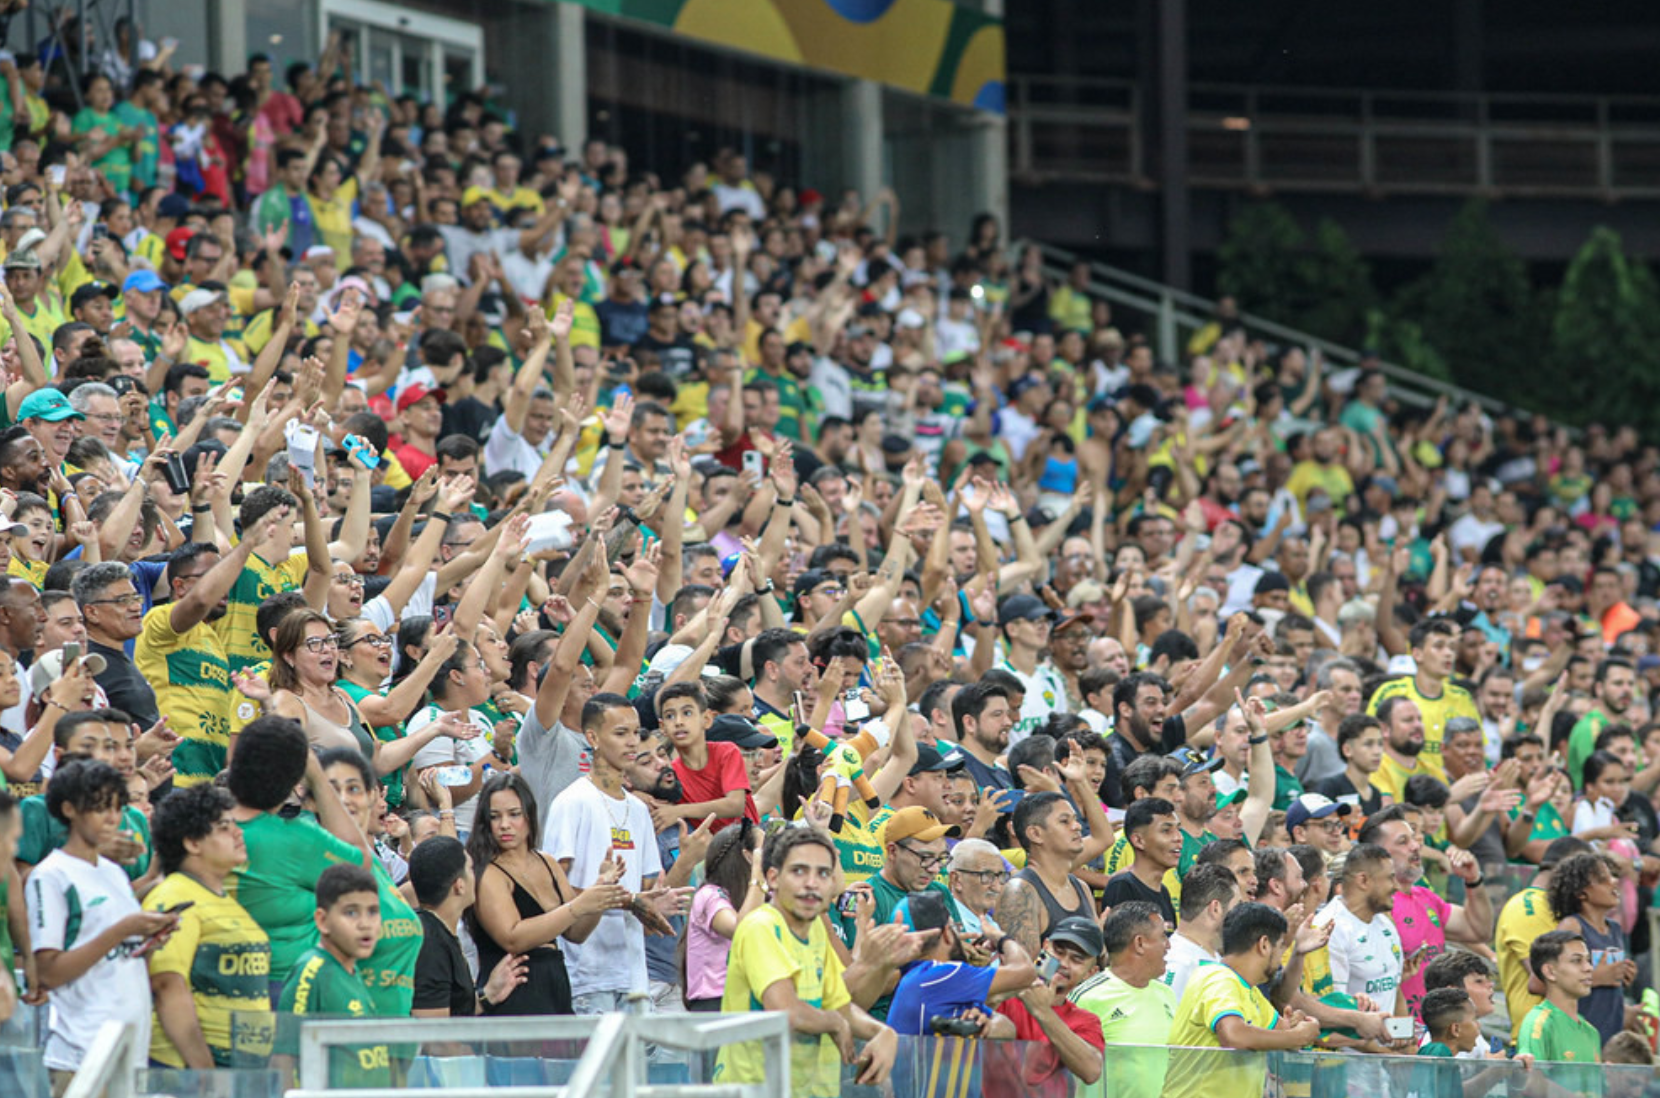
(46, 415)
(114, 614)
(206, 311)
(100, 408)
(976, 875)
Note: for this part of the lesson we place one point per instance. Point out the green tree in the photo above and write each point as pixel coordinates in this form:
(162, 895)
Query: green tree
(1605, 337)
(1318, 283)
(1477, 309)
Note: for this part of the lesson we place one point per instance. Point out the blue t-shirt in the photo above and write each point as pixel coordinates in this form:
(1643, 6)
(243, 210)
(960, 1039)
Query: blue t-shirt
(936, 989)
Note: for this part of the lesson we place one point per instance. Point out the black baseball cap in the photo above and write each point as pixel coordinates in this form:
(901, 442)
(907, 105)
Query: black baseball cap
(930, 759)
(1023, 608)
(735, 728)
(1080, 932)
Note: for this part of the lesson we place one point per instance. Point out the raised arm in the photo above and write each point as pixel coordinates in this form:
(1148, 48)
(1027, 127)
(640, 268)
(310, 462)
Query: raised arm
(216, 583)
(543, 333)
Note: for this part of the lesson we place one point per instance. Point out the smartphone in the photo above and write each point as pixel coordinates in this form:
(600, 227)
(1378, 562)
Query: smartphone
(1398, 1029)
(854, 707)
(1047, 967)
(183, 905)
(71, 653)
(178, 481)
(100, 231)
(754, 462)
(55, 174)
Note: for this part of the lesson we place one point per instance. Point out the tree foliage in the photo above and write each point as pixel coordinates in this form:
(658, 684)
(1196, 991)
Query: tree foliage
(1605, 337)
(1315, 282)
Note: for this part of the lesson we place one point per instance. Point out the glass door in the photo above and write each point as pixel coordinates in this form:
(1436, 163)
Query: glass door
(432, 57)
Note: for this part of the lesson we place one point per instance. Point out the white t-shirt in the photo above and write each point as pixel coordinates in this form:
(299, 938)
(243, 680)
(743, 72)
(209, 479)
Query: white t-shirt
(507, 451)
(1045, 694)
(379, 609)
(1366, 958)
(71, 902)
(584, 824)
(1185, 955)
(449, 751)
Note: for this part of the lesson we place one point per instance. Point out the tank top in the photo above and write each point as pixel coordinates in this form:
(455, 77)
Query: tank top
(548, 988)
(327, 734)
(1059, 475)
(1085, 907)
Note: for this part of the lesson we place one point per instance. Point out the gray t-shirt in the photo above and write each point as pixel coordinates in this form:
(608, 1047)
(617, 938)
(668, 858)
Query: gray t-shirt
(550, 760)
(1322, 761)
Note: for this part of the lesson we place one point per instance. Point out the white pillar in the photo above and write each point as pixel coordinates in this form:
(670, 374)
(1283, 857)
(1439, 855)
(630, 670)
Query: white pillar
(862, 137)
(230, 35)
(569, 57)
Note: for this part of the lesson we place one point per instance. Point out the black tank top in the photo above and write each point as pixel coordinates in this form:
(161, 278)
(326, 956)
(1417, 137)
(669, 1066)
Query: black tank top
(1086, 904)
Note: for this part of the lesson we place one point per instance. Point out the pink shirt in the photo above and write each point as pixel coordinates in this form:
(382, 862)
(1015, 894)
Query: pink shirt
(1421, 919)
(706, 951)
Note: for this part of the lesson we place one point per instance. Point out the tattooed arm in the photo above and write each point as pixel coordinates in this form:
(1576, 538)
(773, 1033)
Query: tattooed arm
(1020, 914)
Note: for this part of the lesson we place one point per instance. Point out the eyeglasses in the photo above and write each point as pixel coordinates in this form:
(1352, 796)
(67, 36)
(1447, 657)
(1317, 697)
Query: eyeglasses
(132, 599)
(1330, 827)
(373, 640)
(352, 580)
(927, 861)
(831, 592)
(320, 644)
(987, 876)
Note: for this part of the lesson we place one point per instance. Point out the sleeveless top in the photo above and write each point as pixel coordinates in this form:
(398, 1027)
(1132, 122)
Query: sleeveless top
(1085, 908)
(1059, 475)
(326, 733)
(548, 987)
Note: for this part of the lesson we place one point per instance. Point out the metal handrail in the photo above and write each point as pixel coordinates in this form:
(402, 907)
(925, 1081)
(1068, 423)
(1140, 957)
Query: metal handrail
(1172, 309)
(105, 1071)
(615, 1050)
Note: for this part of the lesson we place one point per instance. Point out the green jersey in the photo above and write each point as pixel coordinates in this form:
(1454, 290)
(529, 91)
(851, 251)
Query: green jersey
(44, 833)
(389, 972)
(1550, 1033)
(320, 985)
(278, 885)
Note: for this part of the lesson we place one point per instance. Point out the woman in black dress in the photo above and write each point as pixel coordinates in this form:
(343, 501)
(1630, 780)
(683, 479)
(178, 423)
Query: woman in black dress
(525, 903)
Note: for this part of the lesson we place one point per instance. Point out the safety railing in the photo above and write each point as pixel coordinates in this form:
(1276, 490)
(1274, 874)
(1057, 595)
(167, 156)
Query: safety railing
(1339, 139)
(1173, 315)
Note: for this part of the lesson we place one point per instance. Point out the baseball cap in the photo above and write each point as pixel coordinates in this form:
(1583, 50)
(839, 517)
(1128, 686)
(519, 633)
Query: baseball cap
(1023, 608)
(668, 658)
(142, 282)
(1223, 800)
(48, 669)
(176, 241)
(1313, 806)
(473, 195)
(811, 578)
(930, 759)
(1080, 932)
(916, 823)
(174, 206)
(90, 290)
(1193, 761)
(735, 728)
(48, 404)
(417, 392)
(1068, 619)
(317, 251)
(198, 299)
(982, 458)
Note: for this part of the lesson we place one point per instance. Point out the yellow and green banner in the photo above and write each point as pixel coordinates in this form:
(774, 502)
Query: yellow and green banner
(930, 47)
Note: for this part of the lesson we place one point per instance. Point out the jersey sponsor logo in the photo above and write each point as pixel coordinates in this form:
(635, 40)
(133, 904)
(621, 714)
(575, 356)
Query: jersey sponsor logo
(622, 838)
(245, 963)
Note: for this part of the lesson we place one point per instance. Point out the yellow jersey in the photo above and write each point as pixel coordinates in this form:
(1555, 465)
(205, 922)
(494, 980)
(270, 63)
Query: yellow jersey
(1453, 701)
(1523, 918)
(192, 680)
(1215, 992)
(222, 954)
(238, 629)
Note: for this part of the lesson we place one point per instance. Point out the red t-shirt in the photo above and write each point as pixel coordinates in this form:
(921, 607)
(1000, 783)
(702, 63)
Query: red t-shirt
(1039, 1066)
(725, 772)
(414, 461)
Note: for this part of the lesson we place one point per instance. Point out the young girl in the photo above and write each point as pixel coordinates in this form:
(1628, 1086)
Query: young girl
(733, 889)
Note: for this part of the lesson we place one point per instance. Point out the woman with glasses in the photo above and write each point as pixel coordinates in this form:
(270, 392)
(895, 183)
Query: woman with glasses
(365, 664)
(304, 656)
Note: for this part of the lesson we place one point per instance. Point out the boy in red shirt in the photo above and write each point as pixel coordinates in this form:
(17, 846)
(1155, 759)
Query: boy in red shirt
(713, 778)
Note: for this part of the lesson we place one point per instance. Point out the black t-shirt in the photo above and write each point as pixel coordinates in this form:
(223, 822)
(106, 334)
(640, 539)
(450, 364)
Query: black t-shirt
(124, 686)
(442, 978)
(1122, 751)
(677, 356)
(1339, 787)
(471, 417)
(1125, 887)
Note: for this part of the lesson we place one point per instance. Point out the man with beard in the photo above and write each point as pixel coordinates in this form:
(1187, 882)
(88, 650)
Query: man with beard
(681, 851)
(1039, 896)
(1403, 741)
(1424, 920)
(1324, 470)
(983, 718)
(1152, 828)
(23, 465)
(1496, 699)
(1488, 596)
(1208, 894)
(114, 614)
(1365, 949)
(1434, 644)
(1139, 702)
(180, 654)
(1614, 690)
(1069, 655)
(1223, 1008)
(1221, 494)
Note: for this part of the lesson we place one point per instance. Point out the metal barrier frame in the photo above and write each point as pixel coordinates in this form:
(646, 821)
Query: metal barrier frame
(104, 1072)
(614, 1058)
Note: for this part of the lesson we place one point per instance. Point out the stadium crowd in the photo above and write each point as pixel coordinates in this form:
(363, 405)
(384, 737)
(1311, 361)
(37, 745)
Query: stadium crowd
(452, 574)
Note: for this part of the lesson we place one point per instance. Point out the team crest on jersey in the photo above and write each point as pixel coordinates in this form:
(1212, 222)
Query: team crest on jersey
(622, 838)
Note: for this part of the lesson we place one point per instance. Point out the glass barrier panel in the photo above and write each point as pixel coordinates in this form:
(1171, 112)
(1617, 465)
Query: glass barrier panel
(232, 1083)
(23, 1073)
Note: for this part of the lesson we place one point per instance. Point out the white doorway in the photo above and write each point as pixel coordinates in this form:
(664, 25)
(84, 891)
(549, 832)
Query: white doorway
(431, 57)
